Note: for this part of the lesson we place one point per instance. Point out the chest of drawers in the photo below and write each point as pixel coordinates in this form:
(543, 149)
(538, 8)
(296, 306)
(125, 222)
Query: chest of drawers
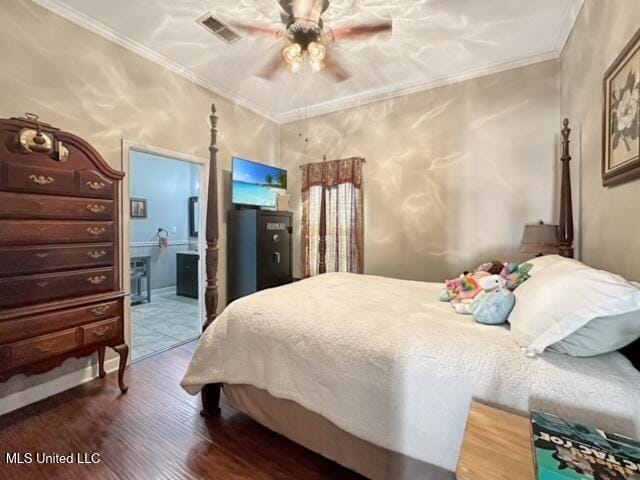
(60, 293)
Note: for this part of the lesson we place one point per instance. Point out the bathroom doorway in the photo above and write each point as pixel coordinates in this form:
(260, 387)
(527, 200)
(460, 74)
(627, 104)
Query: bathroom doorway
(164, 255)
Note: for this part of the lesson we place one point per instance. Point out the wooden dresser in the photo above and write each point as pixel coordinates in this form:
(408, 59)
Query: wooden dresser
(60, 294)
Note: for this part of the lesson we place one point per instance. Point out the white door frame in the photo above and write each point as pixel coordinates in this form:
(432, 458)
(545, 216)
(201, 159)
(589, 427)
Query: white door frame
(125, 232)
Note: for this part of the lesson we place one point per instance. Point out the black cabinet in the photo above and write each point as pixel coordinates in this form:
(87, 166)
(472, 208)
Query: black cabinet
(259, 251)
(187, 274)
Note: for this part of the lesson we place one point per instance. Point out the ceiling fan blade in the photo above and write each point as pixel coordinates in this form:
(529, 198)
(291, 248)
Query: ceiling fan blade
(258, 30)
(333, 68)
(355, 32)
(275, 65)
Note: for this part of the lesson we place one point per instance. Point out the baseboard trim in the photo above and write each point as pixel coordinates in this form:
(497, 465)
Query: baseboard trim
(44, 390)
(160, 291)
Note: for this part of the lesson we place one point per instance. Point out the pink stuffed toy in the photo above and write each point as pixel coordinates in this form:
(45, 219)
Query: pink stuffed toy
(465, 287)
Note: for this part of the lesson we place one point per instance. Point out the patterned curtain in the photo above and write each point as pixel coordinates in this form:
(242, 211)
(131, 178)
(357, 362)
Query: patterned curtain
(332, 203)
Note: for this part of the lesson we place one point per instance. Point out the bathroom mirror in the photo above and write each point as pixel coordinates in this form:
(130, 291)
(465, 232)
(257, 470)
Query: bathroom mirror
(194, 216)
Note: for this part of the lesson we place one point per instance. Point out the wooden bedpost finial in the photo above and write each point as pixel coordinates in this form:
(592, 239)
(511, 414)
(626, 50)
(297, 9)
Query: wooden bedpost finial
(566, 200)
(211, 255)
(566, 131)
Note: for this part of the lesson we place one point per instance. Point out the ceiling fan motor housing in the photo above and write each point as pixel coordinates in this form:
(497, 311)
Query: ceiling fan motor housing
(303, 33)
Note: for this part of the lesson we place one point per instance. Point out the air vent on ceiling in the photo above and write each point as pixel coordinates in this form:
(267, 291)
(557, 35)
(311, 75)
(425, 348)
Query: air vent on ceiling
(218, 28)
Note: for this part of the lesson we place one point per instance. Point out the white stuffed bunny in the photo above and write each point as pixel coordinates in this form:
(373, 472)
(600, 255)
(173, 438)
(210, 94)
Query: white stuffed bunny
(494, 305)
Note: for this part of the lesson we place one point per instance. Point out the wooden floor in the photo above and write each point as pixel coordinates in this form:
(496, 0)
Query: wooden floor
(152, 432)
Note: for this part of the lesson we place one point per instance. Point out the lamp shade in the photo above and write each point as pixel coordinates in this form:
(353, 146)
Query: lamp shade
(540, 238)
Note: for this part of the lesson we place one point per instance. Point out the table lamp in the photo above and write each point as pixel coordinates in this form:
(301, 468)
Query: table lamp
(540, 239)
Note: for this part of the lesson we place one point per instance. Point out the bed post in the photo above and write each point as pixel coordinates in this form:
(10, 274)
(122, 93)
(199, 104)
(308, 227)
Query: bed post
(566, 208)
(211, 393)
(322, 247)
(211, 293)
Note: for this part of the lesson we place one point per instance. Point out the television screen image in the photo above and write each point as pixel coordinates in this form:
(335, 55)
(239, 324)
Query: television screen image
(257, 184)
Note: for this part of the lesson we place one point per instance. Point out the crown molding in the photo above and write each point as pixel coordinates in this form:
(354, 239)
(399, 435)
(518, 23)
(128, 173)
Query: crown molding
(108, 33)
(381, 94)
(570, 19)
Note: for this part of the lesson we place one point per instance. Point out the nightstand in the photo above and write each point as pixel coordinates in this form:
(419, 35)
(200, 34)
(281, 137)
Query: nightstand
(496, 446)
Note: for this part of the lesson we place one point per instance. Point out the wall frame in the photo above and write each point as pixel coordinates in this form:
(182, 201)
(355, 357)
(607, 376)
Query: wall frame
(138, 207)
(621, 117)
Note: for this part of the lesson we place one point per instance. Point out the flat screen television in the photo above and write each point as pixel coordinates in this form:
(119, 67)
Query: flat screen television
(255, 184)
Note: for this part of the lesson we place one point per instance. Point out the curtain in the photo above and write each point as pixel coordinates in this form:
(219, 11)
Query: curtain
(332, 205)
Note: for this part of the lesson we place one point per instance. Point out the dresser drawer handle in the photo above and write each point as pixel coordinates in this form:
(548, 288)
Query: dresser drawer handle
(96, 279)
(94, 208)
(96, 254)
(42, 284)
(45, 347)
(96, 231)
(96, 185)
(101, 332)
(40, 179)
(42, 255)
(101, 310)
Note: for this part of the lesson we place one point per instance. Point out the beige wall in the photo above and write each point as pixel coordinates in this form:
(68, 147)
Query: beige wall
(452, 174)
(610, 227)
(82, 83)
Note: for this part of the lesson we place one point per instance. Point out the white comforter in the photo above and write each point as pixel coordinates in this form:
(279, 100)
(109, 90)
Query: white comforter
(385, 361)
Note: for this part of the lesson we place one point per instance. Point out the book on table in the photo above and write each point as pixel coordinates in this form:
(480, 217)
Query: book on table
(566, 450)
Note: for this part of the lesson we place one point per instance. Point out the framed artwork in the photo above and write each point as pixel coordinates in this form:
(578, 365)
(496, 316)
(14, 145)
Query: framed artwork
(621, 123)
(138, 208)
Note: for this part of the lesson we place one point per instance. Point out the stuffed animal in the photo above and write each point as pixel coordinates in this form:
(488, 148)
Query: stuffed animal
(515, 274)
(495, 304)
(492, 268)
(465, 287)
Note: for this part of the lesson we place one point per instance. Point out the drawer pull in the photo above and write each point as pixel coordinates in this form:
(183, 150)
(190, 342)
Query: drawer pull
(42, 255)
(96, 231)
(96, 185)
(40, 179)
(96, 279)
(101, 332)
(45, 347)
(96, 254)
(101, 310)
(94, 208)
(42, 284)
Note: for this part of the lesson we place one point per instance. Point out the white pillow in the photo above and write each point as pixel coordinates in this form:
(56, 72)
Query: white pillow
(544, 261)
(601, 335)
(564, 297)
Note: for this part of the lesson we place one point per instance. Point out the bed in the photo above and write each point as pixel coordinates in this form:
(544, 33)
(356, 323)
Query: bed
(381, 380)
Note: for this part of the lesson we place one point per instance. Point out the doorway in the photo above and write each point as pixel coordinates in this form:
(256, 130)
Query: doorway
(165, 272)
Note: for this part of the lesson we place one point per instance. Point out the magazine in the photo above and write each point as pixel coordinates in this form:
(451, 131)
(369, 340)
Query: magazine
(565, 450)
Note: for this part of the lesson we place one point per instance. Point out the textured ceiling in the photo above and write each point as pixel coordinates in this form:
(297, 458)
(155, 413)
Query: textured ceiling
(434, 42)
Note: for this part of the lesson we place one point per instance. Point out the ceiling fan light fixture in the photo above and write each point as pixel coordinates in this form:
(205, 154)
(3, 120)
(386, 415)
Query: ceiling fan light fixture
(316, 51)
(293, 53)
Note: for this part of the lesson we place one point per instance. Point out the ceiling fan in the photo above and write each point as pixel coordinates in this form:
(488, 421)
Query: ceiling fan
(306, 36)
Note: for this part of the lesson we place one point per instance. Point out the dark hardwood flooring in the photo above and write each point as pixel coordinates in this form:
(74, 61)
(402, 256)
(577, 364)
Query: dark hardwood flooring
(152, 432)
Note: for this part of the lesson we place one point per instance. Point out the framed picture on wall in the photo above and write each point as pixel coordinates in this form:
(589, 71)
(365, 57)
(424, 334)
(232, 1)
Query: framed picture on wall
(138, 208)
(621, 129)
